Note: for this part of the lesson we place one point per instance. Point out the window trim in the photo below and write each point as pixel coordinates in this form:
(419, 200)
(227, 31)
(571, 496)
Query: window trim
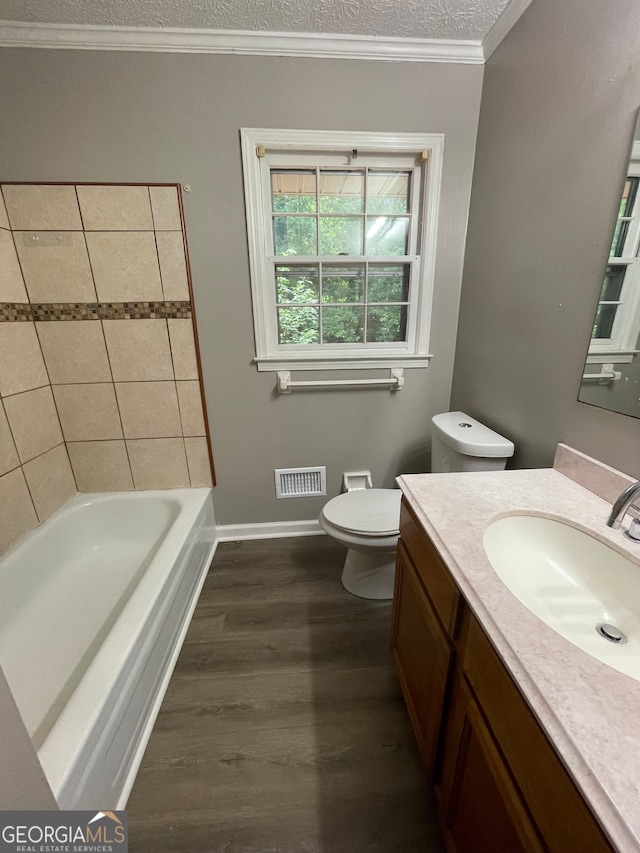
(414, 352)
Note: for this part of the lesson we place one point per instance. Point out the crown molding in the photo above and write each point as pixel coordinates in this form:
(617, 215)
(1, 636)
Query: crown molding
(248, 43)
(512, 13)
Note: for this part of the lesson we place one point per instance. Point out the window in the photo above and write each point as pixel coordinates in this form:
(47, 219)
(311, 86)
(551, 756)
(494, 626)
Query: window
(342, 232)
(617, 321)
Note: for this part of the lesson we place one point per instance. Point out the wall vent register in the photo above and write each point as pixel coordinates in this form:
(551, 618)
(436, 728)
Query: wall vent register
(300, 482)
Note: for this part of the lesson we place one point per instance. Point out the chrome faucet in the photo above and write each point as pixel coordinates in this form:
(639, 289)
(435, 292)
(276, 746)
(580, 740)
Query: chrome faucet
(623, 503)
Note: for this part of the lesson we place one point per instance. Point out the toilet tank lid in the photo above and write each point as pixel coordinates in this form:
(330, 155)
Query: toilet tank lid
(468, 436)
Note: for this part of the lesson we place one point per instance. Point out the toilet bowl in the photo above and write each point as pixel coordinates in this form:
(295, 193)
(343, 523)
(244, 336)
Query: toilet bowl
(366, 521)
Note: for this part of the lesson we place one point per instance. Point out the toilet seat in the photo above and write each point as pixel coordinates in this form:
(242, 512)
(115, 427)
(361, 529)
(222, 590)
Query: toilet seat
(370, 512)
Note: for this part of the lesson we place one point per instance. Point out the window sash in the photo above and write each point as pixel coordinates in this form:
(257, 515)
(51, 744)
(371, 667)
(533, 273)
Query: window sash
(368, 271)
(411, 215)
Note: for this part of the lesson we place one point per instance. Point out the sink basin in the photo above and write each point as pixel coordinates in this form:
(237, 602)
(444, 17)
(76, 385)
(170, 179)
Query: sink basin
(572, 582)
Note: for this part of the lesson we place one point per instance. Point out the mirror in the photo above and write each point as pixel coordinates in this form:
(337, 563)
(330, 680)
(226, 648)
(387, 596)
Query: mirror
(611, 376)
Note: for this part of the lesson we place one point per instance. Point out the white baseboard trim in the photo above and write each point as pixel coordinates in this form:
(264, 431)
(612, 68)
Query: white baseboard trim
(267, 530)
(249, 43)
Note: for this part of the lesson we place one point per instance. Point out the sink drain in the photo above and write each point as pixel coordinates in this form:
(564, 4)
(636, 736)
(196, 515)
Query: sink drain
(611, 633)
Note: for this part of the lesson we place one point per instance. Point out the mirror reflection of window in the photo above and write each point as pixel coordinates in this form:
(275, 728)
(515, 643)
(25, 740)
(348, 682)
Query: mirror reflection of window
(617, 319)
(611, 377)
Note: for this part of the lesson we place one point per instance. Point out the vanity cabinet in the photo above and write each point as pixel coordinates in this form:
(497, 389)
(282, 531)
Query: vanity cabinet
(499, 783)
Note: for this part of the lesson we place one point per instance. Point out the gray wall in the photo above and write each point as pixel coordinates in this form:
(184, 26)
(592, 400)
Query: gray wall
(559, 107)
(99, 116)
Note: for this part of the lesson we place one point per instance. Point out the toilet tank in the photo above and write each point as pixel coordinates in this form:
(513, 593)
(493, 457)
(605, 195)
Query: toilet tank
(460, 443)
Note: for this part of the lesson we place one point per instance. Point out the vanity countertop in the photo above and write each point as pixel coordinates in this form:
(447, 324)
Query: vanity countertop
(590, 711)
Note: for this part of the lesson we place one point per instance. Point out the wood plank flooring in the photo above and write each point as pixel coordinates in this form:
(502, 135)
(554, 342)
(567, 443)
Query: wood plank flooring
(283, 729)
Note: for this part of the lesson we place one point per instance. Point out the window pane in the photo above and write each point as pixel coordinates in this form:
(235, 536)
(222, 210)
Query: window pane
(297, 284)
(295, 235)
(341, 235)
(388, 192)
(293, 190)
(612, 284)
(386, 323)
(605, 315)
(341, 191)
(387, 235)
(343, 284)
(388, 283)
(298, 325)
(344, 325)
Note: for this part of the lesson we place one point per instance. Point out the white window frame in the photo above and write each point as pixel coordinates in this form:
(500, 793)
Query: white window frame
(277, 147)
(620, 348)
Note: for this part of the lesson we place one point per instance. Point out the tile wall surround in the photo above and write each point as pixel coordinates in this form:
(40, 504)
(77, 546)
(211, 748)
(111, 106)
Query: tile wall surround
(99, 379)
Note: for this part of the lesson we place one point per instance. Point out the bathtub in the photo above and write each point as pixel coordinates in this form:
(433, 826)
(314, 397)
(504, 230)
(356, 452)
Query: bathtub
(94, 606)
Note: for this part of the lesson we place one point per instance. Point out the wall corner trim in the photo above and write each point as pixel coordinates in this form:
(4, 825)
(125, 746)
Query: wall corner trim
(506, 20)
(242, 42)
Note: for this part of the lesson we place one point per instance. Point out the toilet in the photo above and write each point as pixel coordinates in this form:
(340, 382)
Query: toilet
(366, 521)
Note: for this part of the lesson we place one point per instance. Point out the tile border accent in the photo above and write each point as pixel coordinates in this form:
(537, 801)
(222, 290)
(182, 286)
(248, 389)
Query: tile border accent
(15, 312)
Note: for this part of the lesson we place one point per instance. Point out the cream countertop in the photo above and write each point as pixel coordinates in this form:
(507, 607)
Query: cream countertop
(590, 711)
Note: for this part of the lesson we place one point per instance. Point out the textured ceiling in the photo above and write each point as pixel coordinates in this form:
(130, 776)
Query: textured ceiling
(427, 19)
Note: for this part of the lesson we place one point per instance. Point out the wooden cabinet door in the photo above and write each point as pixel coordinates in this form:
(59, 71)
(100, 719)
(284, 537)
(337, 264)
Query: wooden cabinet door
(423, 655)
(481, 810)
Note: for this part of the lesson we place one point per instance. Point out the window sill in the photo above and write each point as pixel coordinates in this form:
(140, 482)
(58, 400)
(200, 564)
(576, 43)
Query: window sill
(274, 363)
(613, 356)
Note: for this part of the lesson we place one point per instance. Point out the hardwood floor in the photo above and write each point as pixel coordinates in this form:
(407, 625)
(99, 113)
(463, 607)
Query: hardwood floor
(283, 729)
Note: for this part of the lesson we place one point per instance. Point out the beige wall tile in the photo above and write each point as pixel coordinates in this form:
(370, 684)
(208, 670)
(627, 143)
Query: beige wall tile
(191, 408)
(183, 349)
(166, 212)
(4, 219)
(100, 466)
(50, 481)
(74, 351)
(172, 265)
(34, 206)
(34, 422)
(18, 515)
(125, 265)
(88, 412)
(21, 363)
(198, 461)
(138, 350)
(158, 463)
(148, 409)
(115, 208)
(11, 284)
(8, 453)
(56, 272)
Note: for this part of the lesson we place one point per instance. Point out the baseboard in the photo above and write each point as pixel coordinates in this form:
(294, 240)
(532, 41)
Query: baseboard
(267, 530)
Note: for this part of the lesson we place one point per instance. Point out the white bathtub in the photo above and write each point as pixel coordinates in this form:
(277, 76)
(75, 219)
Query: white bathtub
(94, 606)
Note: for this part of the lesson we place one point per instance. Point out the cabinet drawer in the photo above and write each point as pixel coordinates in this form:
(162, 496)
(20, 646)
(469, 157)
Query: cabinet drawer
(557, 807)
(439, 584)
